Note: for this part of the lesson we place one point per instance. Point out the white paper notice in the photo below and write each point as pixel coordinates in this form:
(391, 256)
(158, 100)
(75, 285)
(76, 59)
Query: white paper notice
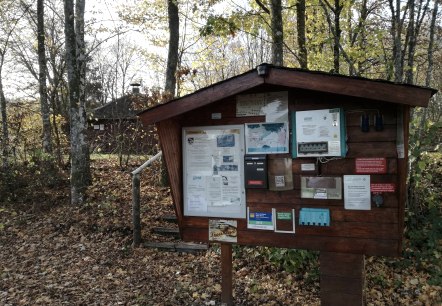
(197, 203)
(214, 191)
(308, 167)
(213, 167)
(357, 192)
(197, 193)
(231, 190)
(273, 105)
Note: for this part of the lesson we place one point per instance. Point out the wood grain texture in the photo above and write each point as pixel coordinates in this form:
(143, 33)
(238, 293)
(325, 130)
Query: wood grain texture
(342, 278)
(201, 98)
(342, 265)
(310, 100)
(402, 175)
(387, 134)
(353, 116)
(360, 88)
(373, 247)
(169, 132)
(337, 298)
(337, 167)
(371, 149)
(226, 274)
(293, 197)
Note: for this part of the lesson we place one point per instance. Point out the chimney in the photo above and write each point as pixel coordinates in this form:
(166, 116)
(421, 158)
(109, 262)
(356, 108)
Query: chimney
(135, 87)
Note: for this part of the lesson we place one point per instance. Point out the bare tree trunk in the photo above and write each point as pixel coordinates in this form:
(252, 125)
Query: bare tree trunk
(81, 63)
(414, 27)
(337, 36)
(277, 33)
(172, 57)
(361, 33)
(396, 29)
(300, 26)
(79, 177)
(44, 105)
(335, 27)
(5, 131)
(431, 44)
(172, 63)
(411, 44)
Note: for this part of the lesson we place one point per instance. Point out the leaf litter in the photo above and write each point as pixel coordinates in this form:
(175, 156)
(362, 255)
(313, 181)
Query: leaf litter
(65, 255)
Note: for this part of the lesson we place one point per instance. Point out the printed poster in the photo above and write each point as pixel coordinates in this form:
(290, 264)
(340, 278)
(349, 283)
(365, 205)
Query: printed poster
(357, 192)
(257, 219)
(272, 105)
(267, 138)
(213, 171)
(223, 230)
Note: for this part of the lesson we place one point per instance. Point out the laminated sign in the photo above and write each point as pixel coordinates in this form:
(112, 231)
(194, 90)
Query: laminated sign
(214, 171)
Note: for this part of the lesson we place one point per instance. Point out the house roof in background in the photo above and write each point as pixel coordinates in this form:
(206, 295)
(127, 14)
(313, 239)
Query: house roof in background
(121, 108)
(358, 87)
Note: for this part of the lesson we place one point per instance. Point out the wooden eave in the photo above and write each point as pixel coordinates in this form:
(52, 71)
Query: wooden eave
(352, 86)
(292, 78)
(201, 97)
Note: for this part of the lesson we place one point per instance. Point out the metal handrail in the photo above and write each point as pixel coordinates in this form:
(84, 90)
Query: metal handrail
(136, 220)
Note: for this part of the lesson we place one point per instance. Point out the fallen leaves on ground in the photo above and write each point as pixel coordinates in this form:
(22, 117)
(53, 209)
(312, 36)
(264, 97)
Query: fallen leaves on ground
(83, 256)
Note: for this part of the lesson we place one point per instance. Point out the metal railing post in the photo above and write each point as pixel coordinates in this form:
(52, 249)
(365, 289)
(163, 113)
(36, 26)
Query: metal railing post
(136, 219)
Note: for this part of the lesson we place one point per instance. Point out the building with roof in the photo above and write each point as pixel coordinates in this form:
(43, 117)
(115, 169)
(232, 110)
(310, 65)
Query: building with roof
(115, 128)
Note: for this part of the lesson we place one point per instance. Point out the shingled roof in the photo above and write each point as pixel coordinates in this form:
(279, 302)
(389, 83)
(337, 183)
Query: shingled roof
(121, 108)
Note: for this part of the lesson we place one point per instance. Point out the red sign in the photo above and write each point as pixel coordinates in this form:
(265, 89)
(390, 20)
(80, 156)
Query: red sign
(255, 182)
(371, 165)
(389, 187)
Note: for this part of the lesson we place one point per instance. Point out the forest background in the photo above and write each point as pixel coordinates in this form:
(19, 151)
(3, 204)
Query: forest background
(59, 60)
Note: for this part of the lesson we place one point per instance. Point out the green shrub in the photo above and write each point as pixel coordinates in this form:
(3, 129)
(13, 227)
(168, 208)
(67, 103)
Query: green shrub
(293, 260)
(424, 218)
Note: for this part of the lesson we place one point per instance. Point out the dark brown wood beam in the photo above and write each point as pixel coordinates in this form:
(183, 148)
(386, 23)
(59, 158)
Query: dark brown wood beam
(342, 278)
(202, 97)
(169, 132)
(226, 274)
(361, 88)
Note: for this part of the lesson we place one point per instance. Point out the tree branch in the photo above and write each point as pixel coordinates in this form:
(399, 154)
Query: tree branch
(261, 5)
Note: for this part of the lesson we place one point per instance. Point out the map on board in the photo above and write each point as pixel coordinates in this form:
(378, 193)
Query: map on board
(267, 138)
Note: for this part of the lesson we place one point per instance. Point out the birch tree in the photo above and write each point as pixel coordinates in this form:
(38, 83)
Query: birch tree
(75, 61)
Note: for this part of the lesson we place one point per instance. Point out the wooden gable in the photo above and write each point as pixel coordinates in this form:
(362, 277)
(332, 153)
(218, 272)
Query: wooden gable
(319, 82)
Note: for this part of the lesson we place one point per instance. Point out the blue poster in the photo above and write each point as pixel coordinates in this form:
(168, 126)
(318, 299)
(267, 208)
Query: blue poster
(259, 220)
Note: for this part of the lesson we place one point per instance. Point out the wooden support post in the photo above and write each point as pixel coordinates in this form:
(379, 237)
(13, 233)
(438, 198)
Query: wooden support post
(342, 278)
(226, 274)
(136, 220)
